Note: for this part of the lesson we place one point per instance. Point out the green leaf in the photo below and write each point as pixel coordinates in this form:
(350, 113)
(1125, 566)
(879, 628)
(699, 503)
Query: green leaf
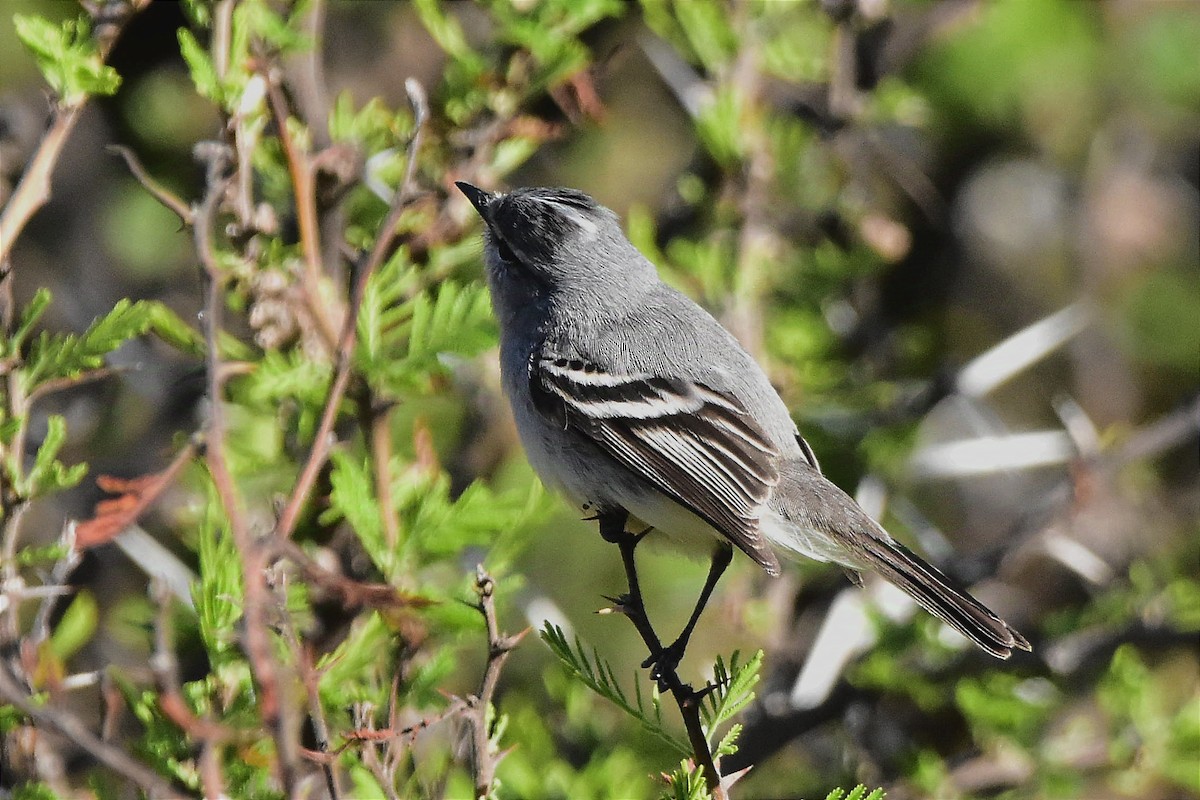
(374, 127)
(353, 498)
(218, 593)
(401, 340)
(166, 325)
(734, 689)
(34, 791)
(200, 66)
(598, 675)
(720, 127)
(76, 628)
(360, 667)
(67, 57)
(857, 793)
(40, 556)
(457, 320)
(707, 26)
(257, 20)
(512, 152)
(286, 375)
(1000, 703)
(68, 356)
(48, 474)
(29, 317)
(686, 782)
(446, 31)
(439, 528)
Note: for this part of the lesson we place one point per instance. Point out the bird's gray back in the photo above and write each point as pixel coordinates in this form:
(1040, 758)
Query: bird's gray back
(665, 333)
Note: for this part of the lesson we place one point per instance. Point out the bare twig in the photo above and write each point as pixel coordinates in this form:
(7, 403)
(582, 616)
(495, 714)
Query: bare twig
(352, 593)
(483, 759)
(173, 202)
(409, 732)
(33, 191)
(170, 698)
(73, 729)
(70, 382)
(756, 237)
(349, 336)
(376, 422)
(304, 190)
(39, 631)
(11, 586)
(384, 775)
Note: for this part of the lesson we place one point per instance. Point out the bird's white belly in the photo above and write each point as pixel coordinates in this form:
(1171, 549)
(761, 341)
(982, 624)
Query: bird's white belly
(592, 481)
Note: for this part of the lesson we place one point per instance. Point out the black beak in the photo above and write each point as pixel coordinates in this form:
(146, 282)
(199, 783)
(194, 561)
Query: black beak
(478, 197)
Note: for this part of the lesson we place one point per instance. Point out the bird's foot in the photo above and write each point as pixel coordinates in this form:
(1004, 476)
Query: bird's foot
(664, 663)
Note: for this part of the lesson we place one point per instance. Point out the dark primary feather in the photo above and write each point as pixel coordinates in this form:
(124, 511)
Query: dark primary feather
(935, 592)
(695, 445)
(816, 504)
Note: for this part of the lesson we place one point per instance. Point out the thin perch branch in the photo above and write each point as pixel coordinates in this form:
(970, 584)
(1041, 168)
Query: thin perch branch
(170, 200)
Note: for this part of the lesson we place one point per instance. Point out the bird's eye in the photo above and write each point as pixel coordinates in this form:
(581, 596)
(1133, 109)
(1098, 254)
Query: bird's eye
(505, 252)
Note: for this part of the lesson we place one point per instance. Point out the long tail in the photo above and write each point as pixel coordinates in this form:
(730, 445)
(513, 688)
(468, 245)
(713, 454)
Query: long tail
(830, 526)
(938, 595)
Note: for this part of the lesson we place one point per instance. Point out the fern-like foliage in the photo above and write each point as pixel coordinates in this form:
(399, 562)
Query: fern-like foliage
(857, 793)
(403, 329)
(599, 676)
(48, 474)
(68, 355)
(733, 690)
(685, 782)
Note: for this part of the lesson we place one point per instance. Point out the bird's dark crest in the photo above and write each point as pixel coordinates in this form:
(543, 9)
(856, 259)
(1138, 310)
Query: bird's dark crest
(536, 222)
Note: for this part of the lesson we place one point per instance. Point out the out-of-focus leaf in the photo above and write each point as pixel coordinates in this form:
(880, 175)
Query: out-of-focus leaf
(67, 57)
(204, 75)
(48, 474)
(77, 626)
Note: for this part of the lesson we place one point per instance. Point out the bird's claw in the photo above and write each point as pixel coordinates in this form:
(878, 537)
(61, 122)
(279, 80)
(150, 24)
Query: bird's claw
(663, 662)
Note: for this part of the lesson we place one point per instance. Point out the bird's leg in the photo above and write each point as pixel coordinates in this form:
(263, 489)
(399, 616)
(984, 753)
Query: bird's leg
(669, 657)
(612, 529)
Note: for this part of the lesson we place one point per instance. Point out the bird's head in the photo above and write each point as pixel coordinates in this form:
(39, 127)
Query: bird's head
(557, 240)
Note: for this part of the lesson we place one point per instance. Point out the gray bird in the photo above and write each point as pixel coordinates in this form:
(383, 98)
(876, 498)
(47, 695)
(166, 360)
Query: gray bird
(634, 402)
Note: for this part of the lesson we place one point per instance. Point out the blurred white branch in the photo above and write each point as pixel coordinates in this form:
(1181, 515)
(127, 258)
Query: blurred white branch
(987, 454)
(1018, 352)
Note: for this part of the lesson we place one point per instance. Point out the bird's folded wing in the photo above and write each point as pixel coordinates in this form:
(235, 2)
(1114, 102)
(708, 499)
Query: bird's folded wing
(691, 442)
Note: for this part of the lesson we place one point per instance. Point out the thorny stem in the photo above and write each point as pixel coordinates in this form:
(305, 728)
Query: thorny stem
(309, 678)
(612, 528)
(258, 644)
(483, 760)
(304, 191)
